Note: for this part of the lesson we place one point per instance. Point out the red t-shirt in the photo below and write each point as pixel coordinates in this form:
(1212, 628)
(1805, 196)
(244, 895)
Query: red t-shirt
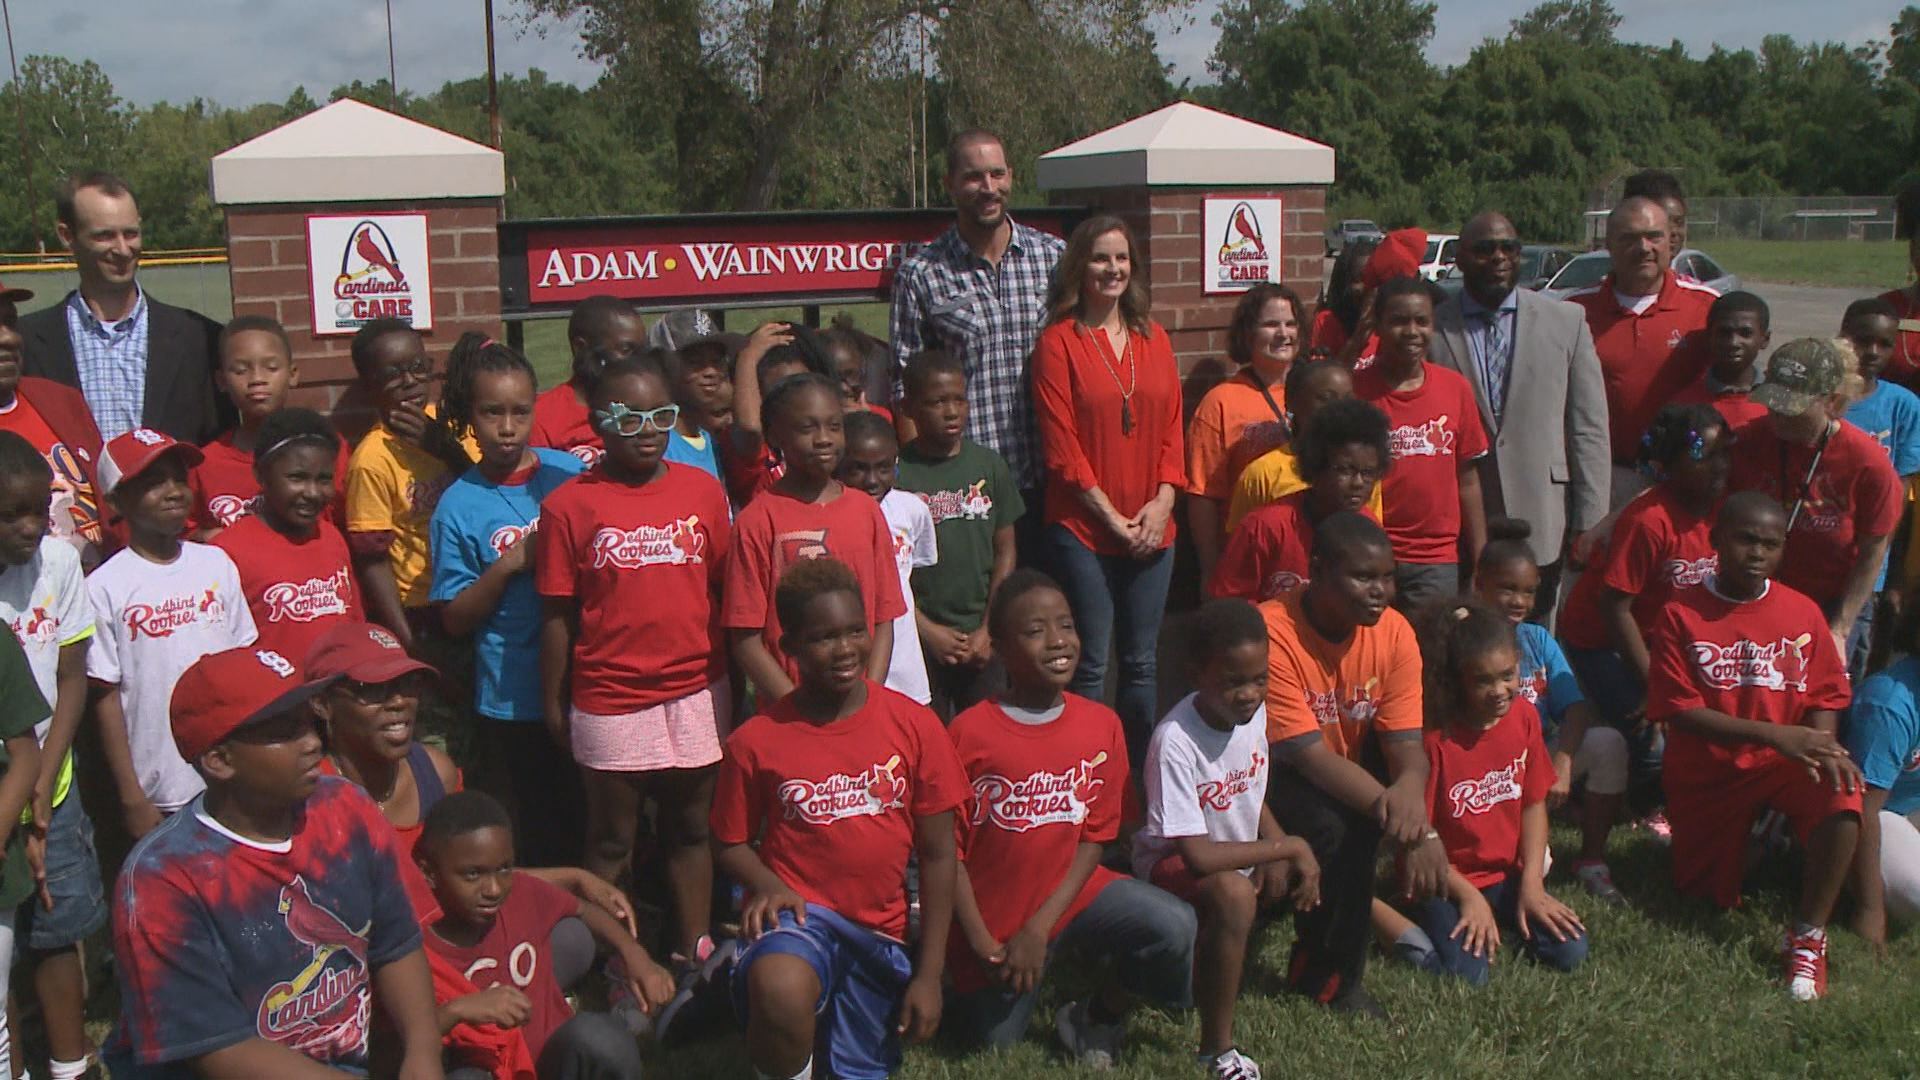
(562, 422)
(517, 952)
(1267, 554)
(1903, 366)
(750, 469)
(645, 565)
(1435, 432)
(777, 530)
(73, 492)
(296, 589)
(1656, 547)
(1646, 359)
(1770, 659)
(1479, 783)
(1855, 495)
(833, 805)
(1735, 406)
(1039, 792)
(225, 489)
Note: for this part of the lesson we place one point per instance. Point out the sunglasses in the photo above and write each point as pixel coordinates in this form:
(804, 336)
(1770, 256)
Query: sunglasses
(410, 685)
(617, 419)
(1485, 248)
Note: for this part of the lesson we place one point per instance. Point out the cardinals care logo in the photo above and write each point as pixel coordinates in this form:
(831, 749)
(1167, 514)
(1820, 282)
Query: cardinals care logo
(1218, 795)
(677, 543)
(1243, 257)
(1043, 798)
(305, 601)
(372, 283)
(227, 509)
(162, 619)
(506, 536)
(802, 544)
(1431, 439)
(1780, 665)
(1479, 796)
(971, 503)
(322, 1010)
(873, 792)
(1686, 573)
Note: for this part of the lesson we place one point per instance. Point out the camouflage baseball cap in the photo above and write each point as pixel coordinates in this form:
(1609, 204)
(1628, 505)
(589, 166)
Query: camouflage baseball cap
(1800, 373)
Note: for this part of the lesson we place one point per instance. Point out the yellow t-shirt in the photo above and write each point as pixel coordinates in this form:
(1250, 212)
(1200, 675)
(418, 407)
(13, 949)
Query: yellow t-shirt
(393, 486)
(1268, 480)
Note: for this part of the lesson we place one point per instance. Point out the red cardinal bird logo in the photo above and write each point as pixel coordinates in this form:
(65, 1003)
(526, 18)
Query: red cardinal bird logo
(367, 248)
(374, 251)
(1249, 232)
(322, 1006)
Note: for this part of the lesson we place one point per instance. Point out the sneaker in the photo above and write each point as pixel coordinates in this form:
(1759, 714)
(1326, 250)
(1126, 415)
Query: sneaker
(1356, 1001)
(1806, 959)
(1092, 1045)
(1231, 1064)
(695, 982)
(1656, 823)
(1594, 876)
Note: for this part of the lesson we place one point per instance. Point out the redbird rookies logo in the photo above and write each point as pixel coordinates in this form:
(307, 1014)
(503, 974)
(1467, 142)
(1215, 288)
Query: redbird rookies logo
(1359, 708)
(322, 1011)
(1479, 796)
(1043, 798)
(37, 627)
(162, 619)
(506, 536)
(1686, 573)
(1218, 795)
(589, 454)
(305, 601)
(227, 509)
(677, 543)
(1780, 665)
(969, 504)
(872, 793)
(1431, 439)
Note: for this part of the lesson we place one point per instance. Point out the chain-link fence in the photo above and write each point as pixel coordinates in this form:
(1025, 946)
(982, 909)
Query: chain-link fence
(1784, 217)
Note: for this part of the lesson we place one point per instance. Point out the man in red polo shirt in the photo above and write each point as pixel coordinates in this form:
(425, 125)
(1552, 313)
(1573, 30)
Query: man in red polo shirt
(1649, 328)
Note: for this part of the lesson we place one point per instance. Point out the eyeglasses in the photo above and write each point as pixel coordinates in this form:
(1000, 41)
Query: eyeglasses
(1485, 248)
(399, 373)
(1349, 472)
(381, 693)
(617, 419)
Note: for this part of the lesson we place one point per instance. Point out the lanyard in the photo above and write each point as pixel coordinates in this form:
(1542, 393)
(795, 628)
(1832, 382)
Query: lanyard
(1806, 482)
(1278, 413)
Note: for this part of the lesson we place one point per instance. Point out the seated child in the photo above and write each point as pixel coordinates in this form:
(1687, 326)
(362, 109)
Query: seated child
(839, 781)
(1341, 457)
(599, 329)
(1883, 737)
(1487, 792)
(1049, 773)
(1311, 385)
(253, 930)
(295, 571)
(522, 943)
(871, 465)
(1737, 333)
(22, 708)
(1750, 684)
(1209, 836)
(973, 501)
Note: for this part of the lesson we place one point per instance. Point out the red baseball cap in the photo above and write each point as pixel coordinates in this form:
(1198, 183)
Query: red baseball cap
(1399, 255)
(129, 455)
(226, 691)
(15, 293)
(362, 652)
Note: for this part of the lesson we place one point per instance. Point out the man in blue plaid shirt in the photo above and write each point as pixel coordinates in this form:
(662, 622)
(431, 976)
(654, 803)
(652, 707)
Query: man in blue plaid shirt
(979, 291)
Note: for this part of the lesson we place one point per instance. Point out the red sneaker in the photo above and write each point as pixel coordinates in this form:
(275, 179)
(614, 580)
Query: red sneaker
(1806, 960)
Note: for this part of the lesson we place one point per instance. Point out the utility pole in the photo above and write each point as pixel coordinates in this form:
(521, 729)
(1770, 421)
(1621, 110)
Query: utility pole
(393, 74)
(493, 83)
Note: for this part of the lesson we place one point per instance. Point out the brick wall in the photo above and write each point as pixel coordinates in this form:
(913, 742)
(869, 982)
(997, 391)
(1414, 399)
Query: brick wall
(267, 253)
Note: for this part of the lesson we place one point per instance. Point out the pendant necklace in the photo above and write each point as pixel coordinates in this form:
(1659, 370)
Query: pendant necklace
(1129, 386)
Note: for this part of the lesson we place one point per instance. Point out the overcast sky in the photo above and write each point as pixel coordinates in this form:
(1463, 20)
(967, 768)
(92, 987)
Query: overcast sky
(239, 52)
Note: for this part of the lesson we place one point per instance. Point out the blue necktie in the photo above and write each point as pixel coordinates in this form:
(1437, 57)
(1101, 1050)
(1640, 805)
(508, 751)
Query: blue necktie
(1494, 364)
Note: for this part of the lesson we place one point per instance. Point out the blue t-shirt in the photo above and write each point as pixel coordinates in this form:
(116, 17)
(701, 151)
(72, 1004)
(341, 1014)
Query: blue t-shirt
(1883, 733)
(476, 520)
(1545, 678)
(1891, 414)
(680, 449)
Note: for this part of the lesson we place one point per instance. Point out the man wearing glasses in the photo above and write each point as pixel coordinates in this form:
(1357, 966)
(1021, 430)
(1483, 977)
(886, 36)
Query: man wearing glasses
(1534, 372)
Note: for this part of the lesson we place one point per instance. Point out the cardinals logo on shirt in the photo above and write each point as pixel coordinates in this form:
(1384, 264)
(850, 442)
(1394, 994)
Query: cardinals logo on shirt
(1780, 665)
(1479, 796)
(1821, 512)
(506, 536)
(37, 627)
(162, 619)
(1218, 795)
(305, 601)
(1431, 439)
(589, 454)
(1281, 582)
(1043, 798)
(677, 543)
(871, 793)
(971, 503)
(422, 498)
(322, 1011)
(802, 544)
(1686, 573)
(227, 509)
(1675, 339)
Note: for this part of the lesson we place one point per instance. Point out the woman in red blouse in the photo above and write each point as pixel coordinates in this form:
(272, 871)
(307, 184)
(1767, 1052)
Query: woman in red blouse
(1107, 395)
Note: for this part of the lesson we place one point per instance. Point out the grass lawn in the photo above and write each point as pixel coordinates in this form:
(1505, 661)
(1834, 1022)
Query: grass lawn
(1876, 266)
(1670, 989)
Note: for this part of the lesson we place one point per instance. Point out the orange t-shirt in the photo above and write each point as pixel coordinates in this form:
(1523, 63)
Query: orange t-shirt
(1233, 425)
(1341, 690)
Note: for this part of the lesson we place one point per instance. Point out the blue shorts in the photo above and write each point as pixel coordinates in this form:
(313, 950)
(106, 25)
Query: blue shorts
(863, 978)
(73, 879)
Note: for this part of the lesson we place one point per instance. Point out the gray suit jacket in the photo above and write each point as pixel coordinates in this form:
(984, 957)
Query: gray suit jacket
(1551, 462)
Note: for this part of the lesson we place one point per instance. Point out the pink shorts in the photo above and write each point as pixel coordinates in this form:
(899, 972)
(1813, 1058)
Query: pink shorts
(679, 734)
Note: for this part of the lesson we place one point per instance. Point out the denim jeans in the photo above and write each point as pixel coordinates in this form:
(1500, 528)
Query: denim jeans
(1117, 604)
(1418, 584)
(1438, 915)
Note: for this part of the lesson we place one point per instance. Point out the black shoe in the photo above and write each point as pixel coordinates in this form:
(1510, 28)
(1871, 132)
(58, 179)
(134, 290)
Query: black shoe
(1355, 1001)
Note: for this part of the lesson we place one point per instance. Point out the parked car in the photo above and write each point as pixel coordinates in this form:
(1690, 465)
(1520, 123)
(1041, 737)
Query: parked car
(1538, 264)
(1443, 249)
(1347, 231)
(1590, 268)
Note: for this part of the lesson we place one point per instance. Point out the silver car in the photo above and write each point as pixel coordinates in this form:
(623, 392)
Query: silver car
(1587, 270)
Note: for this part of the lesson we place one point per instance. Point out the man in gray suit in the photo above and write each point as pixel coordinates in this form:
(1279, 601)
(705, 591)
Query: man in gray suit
(1535, 374)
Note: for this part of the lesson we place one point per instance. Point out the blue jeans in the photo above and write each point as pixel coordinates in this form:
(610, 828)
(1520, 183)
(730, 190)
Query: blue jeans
(1615, 691)
(1147, 931)
(1438, 915)
(1117, 604)
(73, 880)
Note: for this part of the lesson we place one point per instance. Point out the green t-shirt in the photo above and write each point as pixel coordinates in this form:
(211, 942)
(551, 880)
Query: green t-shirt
(21, 707)
(969, 495)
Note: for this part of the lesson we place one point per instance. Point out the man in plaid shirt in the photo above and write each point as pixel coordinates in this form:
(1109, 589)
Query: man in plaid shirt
(979, 292)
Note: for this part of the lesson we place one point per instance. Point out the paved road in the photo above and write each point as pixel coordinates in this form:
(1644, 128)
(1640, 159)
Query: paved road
(1804, 310)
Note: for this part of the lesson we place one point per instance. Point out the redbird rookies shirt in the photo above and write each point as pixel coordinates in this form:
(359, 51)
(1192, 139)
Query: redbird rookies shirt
(1657, 546)
(1770, 659)
(221, 939)
(225, 488)
(1854, 495)
(517, 952)
(1479, 783)
(296, 589)
(833, 804)
(645, 564)
(1267, 555)
(1436, 431)
(1342, 690)
(1201, 781)
(562, 421)
(1039, 792)
(777, 530)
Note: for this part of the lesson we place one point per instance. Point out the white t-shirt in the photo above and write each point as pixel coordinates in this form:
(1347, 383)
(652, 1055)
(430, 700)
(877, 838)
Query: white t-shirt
(912, 527)
(154, 620)
(45, 602)
(1201, 782)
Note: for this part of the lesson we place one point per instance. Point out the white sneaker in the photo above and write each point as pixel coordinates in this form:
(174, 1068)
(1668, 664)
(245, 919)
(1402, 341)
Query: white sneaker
(1094, 1046)
(1231, 1064)
(1598, 881)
